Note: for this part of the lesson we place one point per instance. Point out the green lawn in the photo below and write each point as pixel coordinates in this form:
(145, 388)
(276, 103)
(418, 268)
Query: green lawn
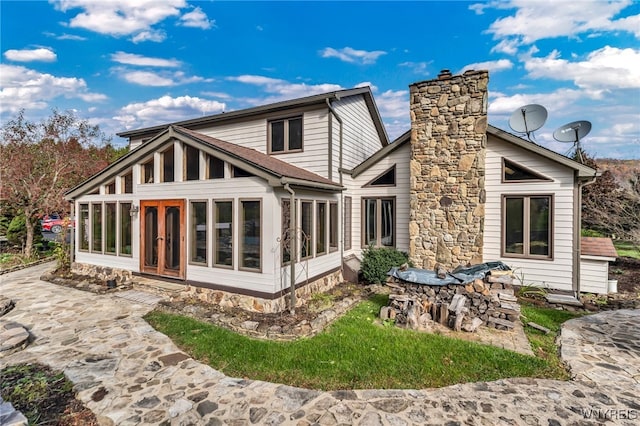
(356, 352)
(627, 249)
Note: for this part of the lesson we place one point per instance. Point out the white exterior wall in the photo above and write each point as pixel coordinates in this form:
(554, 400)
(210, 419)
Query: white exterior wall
(556, 273)
(594, 274)
(400, 157)
(360, 138)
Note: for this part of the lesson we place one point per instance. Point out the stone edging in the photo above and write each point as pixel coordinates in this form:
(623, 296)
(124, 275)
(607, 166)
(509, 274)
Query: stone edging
(27, 265)
(252, 328)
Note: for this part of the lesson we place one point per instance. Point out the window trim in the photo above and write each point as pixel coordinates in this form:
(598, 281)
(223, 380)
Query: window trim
(241, 235)
(371, 184)
(214, 244)
(378, 221)
(539, 176)
(192, 236)
(285, 120)
(526, 232)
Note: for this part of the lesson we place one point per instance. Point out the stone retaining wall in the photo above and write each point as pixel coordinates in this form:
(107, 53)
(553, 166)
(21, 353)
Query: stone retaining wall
(102, 273)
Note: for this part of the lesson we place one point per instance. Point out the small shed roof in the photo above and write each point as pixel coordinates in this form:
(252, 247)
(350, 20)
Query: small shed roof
(597, 246)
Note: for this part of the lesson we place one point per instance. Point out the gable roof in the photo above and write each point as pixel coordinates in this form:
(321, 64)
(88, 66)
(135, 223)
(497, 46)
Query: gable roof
(382, 153)
(584, 172)
(314, 100)
(596, 246)
(277, 172)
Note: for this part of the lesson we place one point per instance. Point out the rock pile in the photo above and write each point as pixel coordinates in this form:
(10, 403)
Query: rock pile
(489, 301)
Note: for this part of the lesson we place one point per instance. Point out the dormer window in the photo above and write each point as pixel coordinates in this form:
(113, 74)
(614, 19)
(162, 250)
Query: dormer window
(285, 135)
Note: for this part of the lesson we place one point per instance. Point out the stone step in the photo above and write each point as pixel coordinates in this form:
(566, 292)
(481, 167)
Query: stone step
(563, 299)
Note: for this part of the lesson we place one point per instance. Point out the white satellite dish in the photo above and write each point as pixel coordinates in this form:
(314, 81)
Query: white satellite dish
(528, 119)
(572, 133)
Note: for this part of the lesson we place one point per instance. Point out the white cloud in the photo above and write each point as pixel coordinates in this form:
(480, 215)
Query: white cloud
(64, 36)
(508, 46)
(500, 104)
(492, 66)
(394, 104)
(143, 61)
(157, 79)
(348, 54)
(166, 109)
(119, 17)
(281, 89)
(156, 36)
(416, 67)
(536, 20)
(196, 19)
(24, 88)
(28, 55)
(604, 69)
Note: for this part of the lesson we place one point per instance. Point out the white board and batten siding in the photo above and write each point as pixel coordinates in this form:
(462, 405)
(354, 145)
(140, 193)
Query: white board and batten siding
(556, 273)
(594, 274)
(399, 158)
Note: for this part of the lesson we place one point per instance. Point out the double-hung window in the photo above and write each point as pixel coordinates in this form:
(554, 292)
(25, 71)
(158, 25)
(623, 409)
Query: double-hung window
(285, 135)
(527, 225)
(379, 222)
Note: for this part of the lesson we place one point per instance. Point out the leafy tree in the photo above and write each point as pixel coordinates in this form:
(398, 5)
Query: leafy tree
(41, 161)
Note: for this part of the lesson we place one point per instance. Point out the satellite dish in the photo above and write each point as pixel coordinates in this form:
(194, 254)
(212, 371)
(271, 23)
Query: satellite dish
(572, 133)
(528, 119)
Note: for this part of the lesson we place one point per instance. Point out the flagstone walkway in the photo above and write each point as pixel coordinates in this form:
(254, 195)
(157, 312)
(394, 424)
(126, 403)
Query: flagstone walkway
(130, 374)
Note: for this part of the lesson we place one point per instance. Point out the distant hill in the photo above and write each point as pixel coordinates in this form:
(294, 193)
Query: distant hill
(622, 170)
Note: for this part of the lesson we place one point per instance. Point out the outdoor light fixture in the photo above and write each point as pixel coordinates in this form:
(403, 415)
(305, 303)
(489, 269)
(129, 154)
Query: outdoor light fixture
(134, 210)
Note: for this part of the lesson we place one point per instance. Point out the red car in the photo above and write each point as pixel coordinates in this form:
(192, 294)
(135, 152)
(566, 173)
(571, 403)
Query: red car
(54, 223)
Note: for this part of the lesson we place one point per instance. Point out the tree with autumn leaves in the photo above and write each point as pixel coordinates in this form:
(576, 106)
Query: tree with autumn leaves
(40, 161)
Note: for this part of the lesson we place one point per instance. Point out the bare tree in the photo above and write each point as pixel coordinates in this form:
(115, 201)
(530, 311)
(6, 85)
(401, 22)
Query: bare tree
(41, 161)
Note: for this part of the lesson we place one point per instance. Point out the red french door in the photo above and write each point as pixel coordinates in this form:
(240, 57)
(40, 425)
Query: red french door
(162, 237)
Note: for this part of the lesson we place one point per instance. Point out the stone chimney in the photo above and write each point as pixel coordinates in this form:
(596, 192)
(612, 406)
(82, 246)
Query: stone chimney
(447, 196)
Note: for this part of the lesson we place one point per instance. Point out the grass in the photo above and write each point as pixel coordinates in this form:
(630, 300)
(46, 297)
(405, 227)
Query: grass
(356, 352)
(627, 249)
(544, 345)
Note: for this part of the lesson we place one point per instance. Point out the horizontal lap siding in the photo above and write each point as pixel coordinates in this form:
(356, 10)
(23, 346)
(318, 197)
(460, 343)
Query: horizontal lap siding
(250, 134)
(360, 138)
(556, 273)
(594, 276)
(399, 157)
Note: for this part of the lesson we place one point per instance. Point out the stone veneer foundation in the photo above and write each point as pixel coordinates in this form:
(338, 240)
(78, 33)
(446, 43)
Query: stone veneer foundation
(223, 298)
(447, 195)
(258, 304)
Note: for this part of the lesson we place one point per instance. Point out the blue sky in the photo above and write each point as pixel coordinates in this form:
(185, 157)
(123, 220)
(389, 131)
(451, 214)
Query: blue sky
(127, 64)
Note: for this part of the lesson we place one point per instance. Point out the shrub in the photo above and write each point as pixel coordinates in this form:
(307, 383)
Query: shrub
(591, 233)
(377, 262)
(17, 232)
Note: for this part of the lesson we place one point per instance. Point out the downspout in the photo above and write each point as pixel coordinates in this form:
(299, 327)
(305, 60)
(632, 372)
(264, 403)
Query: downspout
(293, 256)
(578, 235)
(335, 114)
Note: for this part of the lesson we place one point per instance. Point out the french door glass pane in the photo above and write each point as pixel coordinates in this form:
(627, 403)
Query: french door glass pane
(172, 238)
(223, 233)
(151, 236)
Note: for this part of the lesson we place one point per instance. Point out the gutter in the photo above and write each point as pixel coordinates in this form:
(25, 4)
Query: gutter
(293, 252)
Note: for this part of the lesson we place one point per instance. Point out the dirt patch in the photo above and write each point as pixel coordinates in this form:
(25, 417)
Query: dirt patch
(44, 396)
(627, 271)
